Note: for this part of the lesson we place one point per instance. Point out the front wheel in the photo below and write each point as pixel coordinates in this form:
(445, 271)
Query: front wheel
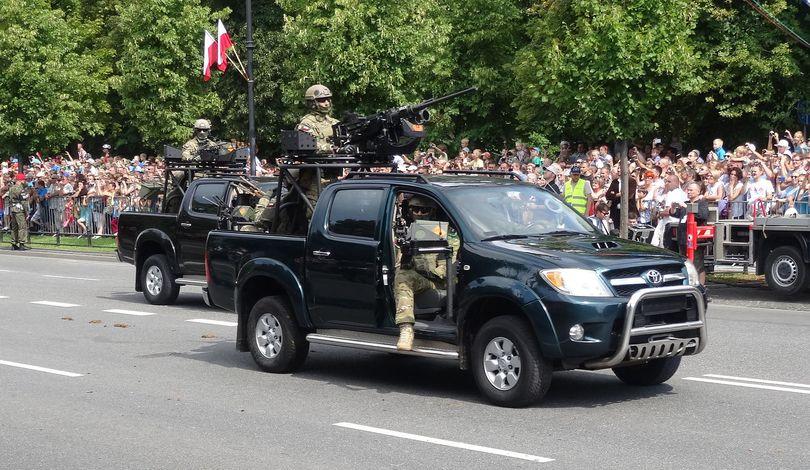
(276, 342)
(157, 281)
(654, 372)
(785, 271)
(507, 365)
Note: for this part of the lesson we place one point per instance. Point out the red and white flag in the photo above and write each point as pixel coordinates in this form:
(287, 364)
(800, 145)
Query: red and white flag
(223, 44)
(209, 55)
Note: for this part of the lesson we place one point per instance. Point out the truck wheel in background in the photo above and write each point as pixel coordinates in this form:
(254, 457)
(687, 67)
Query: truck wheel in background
(276, 343)
(157, 280)
(507, 365)
(654, 372)
(785, 271)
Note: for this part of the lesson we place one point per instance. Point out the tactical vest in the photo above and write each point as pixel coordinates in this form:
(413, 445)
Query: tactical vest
(575, 195)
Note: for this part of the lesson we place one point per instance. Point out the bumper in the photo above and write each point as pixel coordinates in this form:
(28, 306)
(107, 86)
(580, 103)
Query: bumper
(652, 342)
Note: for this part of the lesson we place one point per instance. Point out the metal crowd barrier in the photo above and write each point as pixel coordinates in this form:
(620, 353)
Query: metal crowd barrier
(89, 217)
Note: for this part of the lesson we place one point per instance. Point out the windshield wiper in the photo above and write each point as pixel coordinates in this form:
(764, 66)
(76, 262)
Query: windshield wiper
(504, 237)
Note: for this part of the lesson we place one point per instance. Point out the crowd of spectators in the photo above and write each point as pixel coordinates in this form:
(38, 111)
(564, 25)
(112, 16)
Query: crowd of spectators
(82, 195)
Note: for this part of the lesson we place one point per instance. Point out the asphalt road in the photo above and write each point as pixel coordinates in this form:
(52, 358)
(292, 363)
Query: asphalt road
(121, 390)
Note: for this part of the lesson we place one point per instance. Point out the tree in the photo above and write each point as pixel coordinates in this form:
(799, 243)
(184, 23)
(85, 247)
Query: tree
(371, 54)
(158, 69)
(605, 69)
(51, 90)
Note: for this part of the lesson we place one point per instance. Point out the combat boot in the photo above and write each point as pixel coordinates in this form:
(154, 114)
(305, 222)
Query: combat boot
(405, 342)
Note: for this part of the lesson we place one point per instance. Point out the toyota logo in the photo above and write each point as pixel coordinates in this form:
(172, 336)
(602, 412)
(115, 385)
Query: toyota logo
(654, 278)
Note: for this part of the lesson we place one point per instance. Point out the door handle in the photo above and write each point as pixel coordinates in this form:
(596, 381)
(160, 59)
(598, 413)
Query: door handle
(185, 224)
(321, 253)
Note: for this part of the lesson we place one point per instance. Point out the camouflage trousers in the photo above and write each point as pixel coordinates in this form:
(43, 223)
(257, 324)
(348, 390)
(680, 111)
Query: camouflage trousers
(19, 229)
(407, 284)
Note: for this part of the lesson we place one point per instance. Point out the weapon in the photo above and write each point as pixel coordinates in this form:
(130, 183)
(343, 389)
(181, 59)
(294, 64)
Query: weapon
(392, 132)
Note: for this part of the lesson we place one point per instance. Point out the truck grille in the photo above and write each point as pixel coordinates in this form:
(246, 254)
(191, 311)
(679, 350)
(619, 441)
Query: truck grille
(666, 311)
(627, 281)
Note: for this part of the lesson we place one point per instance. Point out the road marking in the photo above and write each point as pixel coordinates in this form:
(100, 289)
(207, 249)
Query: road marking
(129, 312)
(746, 307)
(53, 304)
(442, 442)
(3, 296)
(213, 322)
(748, 385)
(746, 379)
(70, 277)
(40, 369)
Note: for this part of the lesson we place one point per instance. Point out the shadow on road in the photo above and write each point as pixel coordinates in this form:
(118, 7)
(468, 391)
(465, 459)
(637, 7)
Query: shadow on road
(186, 301)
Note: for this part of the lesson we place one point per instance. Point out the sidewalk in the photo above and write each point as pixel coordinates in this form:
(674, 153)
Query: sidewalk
(65, 254)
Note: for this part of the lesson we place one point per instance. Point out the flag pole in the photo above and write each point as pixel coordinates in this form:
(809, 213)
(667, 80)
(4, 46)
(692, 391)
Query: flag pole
(251, 118)
(238, 69)
(238, 59)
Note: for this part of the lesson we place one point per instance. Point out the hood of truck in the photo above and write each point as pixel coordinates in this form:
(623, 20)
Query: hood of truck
(587, 251)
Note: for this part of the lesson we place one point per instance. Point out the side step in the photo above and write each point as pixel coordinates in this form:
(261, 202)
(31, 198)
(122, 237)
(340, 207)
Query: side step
(197, 281)
(383, 343)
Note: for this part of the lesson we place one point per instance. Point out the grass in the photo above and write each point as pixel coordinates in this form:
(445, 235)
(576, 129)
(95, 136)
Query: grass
(735, 278)
(67, 243)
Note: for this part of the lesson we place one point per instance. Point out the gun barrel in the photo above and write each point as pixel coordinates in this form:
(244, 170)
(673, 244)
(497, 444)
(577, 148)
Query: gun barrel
(427, 103)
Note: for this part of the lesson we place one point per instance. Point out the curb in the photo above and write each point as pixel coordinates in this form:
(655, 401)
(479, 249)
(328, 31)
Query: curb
(46, 253)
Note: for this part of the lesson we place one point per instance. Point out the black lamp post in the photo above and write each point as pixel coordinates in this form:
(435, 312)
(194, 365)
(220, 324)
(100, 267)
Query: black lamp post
(251, 118)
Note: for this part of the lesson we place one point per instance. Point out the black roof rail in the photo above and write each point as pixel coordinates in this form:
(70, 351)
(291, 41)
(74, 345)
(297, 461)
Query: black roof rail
(511, 174)
(371, 174)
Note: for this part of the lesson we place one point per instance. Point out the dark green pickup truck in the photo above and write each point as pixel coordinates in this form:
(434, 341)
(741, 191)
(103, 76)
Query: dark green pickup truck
(535, 288)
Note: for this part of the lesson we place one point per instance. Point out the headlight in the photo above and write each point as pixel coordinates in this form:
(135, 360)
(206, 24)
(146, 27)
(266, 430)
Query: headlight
(579, 282)
(692, 274)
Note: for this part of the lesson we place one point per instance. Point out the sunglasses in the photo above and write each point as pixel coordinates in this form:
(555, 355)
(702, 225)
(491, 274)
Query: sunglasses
(420, 209)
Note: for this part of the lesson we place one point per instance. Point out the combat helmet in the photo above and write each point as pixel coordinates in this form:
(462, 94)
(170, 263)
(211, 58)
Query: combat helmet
(314, 93)
(203, 124)
(426, 204)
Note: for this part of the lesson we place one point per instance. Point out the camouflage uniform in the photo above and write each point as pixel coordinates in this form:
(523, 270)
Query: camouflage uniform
(424, 272)
(265, 211)
(318, 124)
(192, 148)
(17, 196)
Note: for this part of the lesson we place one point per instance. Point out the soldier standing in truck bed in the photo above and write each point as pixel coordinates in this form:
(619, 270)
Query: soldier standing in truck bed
(318, 123)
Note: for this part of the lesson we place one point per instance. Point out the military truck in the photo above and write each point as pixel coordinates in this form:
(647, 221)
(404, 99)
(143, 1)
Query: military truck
(534, 287)
(781, 251)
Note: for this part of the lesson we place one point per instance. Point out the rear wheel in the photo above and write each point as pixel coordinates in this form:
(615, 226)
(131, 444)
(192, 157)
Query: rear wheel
(654, 372)
(785, 271)
(507, 365)
(276, 342)
(157, 281)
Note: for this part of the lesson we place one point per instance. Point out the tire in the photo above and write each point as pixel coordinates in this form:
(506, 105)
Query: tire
(288, 348)
(654, 372)
(157, 281)
(509, 337)
(785, 271)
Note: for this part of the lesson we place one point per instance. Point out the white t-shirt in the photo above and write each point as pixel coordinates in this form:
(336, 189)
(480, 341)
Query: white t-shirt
(758, 190)
(677, 195)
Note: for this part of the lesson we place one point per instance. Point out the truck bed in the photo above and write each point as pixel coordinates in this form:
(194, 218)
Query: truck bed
(228, 252)
(133, 223)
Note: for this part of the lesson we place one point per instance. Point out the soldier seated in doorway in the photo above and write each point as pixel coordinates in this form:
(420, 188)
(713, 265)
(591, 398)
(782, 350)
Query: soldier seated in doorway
(420, 272)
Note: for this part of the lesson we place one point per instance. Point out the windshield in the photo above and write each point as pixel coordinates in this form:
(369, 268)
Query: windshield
(498, 212)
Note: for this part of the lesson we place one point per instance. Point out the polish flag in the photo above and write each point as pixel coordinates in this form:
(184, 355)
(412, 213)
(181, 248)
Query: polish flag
(209, 55)
(223, 44)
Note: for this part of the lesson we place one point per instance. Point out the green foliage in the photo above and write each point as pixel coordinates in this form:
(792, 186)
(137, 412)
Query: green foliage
(372, 54)
(158, 69)
(606, 69)
(595, 70)
(51, 90)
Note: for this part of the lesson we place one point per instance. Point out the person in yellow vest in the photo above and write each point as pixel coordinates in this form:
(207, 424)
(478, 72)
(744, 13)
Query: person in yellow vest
(577, 191)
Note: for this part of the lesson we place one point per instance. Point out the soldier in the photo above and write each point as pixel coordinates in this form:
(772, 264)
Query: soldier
(17, 196)
(422, 272)
(199, 141)
(318, 123)
(265, 211)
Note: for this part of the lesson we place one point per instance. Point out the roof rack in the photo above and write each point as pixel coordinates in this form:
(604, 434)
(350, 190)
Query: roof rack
(511, 174)
(369, 174)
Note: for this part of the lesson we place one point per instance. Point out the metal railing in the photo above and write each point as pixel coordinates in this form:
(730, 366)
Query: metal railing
(85, 217)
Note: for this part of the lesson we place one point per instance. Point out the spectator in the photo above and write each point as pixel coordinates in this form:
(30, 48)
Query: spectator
(577, 191)
(672, 198)
(693, 193)
(601, 219)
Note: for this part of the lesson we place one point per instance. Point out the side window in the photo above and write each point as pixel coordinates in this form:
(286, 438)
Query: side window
(354, 212)
(206, 197)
